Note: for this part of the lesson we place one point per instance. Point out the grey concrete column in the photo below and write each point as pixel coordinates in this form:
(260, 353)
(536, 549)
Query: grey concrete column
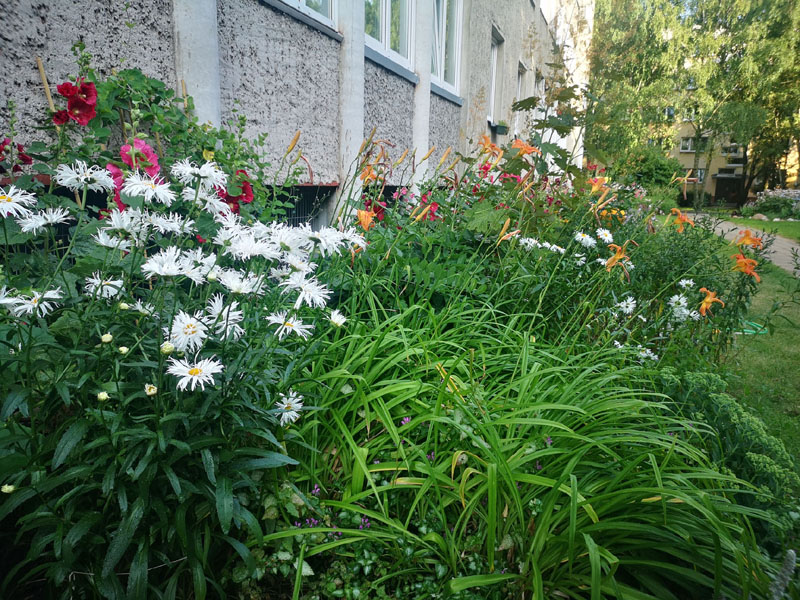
(351, 101)
(423, 47)
(197, 55)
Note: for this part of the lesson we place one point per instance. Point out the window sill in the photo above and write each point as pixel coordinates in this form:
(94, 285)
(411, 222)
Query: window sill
(387, 63)
(443, 93)
(298, 15)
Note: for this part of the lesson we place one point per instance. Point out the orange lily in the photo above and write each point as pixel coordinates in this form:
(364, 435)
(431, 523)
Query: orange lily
(365, 219)
(597, 183)
(746, 265)
(524, 148)
(681, 219)
(748, 239)
(487, 146)
(619, 257)
(368, 174)
(708, 301)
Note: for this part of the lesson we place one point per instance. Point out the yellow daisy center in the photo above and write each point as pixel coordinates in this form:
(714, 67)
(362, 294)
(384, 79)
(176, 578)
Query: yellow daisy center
(6, 199)
(190, 329)
(288, 324)
(195, 371)
(288, 406)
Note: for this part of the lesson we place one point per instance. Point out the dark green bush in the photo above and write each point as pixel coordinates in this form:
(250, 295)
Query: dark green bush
(647, 166)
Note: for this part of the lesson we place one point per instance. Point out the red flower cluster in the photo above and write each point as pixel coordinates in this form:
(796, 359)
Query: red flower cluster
(246, 197)
(145, 156)
(431, 216)
(81, 102)
(22, 158)
(378, 207)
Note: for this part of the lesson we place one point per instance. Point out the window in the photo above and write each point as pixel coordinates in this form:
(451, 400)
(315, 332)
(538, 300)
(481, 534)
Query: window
(701, 175)
(669, 113)
(387, 24)
(687, 144)
(322, 10)
(446, 53)
(690, 114)
(494, 64)
(732, 148)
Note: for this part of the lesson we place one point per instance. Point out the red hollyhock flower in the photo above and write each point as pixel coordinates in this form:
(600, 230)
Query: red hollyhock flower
(116, 175)
(246, 196)
(87, 92)
(146, 158)
(378, 207)
(67, 89)
(80, 111)
(3, 145)
(23, 158)
(61, 117)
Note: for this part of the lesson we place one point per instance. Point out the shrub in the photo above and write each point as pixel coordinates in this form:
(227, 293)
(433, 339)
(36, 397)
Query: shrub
(647, 166)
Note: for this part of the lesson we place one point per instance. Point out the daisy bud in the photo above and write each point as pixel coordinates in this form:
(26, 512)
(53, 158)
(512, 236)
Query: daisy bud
(102, 396)
(124, 306)
(106, 338)
(150, 389)
(212, 276)
(7, 488)
(123, 350)
(167, 348)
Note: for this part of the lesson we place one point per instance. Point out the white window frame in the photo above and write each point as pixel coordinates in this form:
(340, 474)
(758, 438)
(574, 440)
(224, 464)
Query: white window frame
(385, 24)
(440, 44)
(497, 41)
(521, 72)
(687, 144)
(300, 5)
(701, 175)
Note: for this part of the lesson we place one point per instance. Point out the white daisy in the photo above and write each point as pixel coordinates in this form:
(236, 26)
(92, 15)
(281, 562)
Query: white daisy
(241, 283)
(38, 302)
(52, 216)
(207, 176)
(695, 316)
(299, 264)
(678, 300)
(225, 319)
(172, 223)
(289, 407)
(198, 373)
(16, 202)
(580, 260)
(166, 263)
(188, 331)
(529, 243)
(585, 240)
(149, 188)
(208, 200)
(288, 324)
(143, 308)
(103, 239)
(680, 313)
(351, 237)
(292, 240)
(686, 284)
(32, 223)
(557, 249)
(604, 235)
(103, 287)
(327, 240)
(646, 353)
(311, 292)
(338, 318)
(627, 306)
(245, 246)
(78, 175)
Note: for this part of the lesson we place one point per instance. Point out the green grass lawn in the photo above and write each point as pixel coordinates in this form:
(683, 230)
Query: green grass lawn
(764, 368)
(787, 229)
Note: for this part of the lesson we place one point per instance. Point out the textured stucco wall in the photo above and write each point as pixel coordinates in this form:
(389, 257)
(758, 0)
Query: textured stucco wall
(389, 107)
(49, 28)
(445, 129)
(285, 76)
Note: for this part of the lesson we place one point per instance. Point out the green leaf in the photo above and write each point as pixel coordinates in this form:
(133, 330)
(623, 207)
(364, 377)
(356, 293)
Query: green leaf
(462, 583)
(224, 496)
(15, 400)
(68, 441)
(123, 536)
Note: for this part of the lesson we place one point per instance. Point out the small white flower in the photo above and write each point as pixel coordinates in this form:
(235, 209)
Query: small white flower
(695, 316)
(292, 240)
(103, 287)
(288, 324)
(580, 260)
(327, 240)
(16, 202)
(646, 353)
(167, 348)
(289, 406)
(76, 176)
(123, 350)
(103, 239)
(627, 306)
(38, 302)
(225, 319)
(149, 188)
(529, 243)
(166, 263)
(585, 240)
(7, 488)
(102, 396)
(106, 338)
(604, 235)
(172, 223)
(241, 283)
(52, 216)
(198, 373)
(557, 249)
(338, 318)
(143, 308)
(208, 200)
(188, 331)
(150, 389)
(207, 176)
(686, 284)
(678, 300)
(351, 237)
(32, 223)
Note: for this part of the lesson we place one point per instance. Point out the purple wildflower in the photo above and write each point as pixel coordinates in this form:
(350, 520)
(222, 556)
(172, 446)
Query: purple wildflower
(405, 421)
(548, 440)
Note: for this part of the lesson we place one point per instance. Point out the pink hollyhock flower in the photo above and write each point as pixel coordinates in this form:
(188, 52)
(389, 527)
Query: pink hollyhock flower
(116, 175)
(80, 111)
(146, 158)
(67, 89)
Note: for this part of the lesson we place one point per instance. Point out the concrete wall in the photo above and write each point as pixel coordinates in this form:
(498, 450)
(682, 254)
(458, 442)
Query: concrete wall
(389, 107)
(285, 76)
(48, 29)
(445, 129)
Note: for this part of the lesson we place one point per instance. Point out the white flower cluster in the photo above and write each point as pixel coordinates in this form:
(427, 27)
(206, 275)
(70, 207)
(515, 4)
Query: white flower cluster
(585, 240)
(18, 204)
(627, 306)
(679, 305)
(37, 303)
(531, 243)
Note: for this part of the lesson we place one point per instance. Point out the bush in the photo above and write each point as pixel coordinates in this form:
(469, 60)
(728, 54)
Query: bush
(647, 166)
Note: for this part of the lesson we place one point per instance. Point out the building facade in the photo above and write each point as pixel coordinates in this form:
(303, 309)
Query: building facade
(422, 73)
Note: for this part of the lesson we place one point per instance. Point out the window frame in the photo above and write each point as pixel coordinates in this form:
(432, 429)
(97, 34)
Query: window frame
(300, 6)
(385, 25)
(701, 175)
(494, 62)
(440, 49)
(522, 71)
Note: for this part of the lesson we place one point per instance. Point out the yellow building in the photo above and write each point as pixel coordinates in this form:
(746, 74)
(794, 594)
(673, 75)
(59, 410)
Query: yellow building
(790, 164)
(722, 176)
